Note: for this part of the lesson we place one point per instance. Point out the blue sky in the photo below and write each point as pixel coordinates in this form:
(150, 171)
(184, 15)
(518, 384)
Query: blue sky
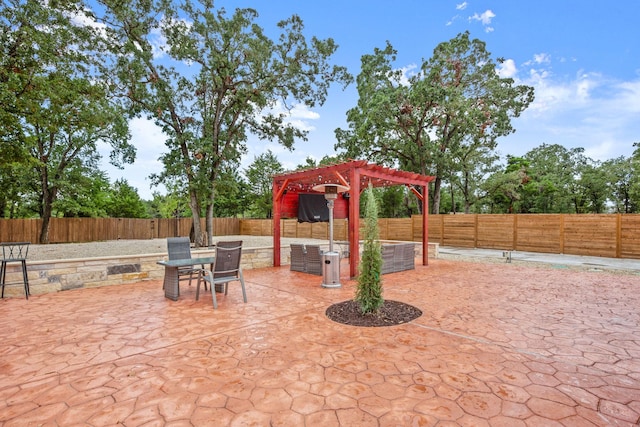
(582, 58)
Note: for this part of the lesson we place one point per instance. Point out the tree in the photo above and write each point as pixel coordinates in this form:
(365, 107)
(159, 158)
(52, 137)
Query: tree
(456, 102)
(621, 176)
(83, 194)
(594, 187)
(232, 193)
(501, 191)
(125, 202)
(472, 164)
(369, 288)
(236, 82)
(260, 178)
(552, 186)
(55, 109)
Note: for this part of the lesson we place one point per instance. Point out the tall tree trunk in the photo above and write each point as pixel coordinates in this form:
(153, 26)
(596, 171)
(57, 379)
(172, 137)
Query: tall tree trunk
(210, 223)
(47, 208)
(195, 216)
(435, 206)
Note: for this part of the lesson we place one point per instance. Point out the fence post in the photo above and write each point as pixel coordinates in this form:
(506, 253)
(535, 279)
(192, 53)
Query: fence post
(475, 232)
(618, 235)
(515, 232)
(562, 233)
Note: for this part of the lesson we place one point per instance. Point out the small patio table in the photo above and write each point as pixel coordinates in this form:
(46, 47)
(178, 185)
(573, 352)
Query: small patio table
(171, 287)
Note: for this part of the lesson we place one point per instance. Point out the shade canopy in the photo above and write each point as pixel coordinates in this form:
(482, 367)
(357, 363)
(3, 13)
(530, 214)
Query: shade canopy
(355, 175)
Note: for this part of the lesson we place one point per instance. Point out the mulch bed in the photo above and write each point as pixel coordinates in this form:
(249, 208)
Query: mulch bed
(390, 313)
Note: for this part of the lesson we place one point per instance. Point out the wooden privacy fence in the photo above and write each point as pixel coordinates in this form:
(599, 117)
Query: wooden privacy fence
(74, 230)
(608, 235)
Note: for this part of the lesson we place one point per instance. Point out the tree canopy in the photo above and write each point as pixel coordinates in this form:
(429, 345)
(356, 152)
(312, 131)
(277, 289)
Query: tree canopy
(218, 79)
(456, 105)
(55, 109)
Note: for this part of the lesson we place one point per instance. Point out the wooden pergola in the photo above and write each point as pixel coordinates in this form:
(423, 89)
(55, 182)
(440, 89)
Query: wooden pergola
(356, 174)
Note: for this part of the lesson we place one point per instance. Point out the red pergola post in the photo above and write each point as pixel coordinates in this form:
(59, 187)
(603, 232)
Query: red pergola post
(354, 222)
(276, 224)
(425, 225)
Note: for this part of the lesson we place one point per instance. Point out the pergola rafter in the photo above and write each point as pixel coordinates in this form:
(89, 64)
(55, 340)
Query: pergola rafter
(356, 174)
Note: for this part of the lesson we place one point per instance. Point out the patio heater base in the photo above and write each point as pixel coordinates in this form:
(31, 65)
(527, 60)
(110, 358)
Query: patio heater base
(331, 270)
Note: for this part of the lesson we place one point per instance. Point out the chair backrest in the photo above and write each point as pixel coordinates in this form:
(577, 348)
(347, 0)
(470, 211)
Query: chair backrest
(15, 251)
(297, 252)
(227, 260)
(179, 248)
(229, 244)
(314, 254)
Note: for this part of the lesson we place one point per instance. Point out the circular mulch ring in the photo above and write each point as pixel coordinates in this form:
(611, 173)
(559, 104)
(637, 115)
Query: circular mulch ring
(389, 314)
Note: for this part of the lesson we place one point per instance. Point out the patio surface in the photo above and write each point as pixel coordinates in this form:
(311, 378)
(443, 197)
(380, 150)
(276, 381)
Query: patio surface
(497, 345)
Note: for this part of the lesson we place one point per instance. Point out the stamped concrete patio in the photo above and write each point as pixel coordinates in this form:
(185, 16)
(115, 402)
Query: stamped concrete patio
(497, 345)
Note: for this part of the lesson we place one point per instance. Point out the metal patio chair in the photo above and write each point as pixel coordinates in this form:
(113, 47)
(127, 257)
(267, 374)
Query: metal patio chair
(226, 268)
(15, 252)
(180, 248)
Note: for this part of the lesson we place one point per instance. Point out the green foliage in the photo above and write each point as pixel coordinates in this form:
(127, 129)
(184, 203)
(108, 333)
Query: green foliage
(237, 77)
(260, 178)
(55, 109)
(171, 205)
(443, 122)
(232, 193)
(84, 194)
(369, 288)
(124, 202)
(623, 180)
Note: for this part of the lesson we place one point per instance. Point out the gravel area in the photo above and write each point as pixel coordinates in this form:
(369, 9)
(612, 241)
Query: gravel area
(134, 247)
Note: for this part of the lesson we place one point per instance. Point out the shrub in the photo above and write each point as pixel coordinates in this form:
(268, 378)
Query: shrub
(369, 289)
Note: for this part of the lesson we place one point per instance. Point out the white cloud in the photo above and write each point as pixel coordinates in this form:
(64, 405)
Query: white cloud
(300, 116)
(541, 58)
(485, 17)
(461, 6)
(507, 69)
(586, 110)
(407, 73)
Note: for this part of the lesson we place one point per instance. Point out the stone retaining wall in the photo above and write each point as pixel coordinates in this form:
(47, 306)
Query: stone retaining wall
(62, 275)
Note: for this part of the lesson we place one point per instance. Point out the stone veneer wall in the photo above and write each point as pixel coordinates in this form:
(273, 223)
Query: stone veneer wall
(62, 275)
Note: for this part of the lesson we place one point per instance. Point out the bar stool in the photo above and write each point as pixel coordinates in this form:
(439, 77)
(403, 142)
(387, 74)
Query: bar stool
(15, 252)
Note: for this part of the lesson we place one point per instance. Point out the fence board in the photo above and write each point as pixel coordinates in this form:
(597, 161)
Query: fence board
(538, 233)
(496, 231)
(400, 229)
(436, 223)
(289, 228)
(320, 230)
(629, 236)
(593, 235)
(459, 230)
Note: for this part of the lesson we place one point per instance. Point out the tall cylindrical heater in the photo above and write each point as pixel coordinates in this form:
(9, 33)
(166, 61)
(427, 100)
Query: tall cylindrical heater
(331, 259)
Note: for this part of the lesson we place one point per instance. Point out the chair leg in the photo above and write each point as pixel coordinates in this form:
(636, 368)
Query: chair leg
(244, 292)
(25, 279)
(200, 279)
(3, 272)
(213, 293)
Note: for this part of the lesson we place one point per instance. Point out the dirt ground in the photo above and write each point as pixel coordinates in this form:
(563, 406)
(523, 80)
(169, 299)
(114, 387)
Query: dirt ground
(132, 247)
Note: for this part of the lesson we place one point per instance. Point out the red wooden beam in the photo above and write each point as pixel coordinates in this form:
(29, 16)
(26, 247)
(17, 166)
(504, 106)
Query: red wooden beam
(277, 191)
